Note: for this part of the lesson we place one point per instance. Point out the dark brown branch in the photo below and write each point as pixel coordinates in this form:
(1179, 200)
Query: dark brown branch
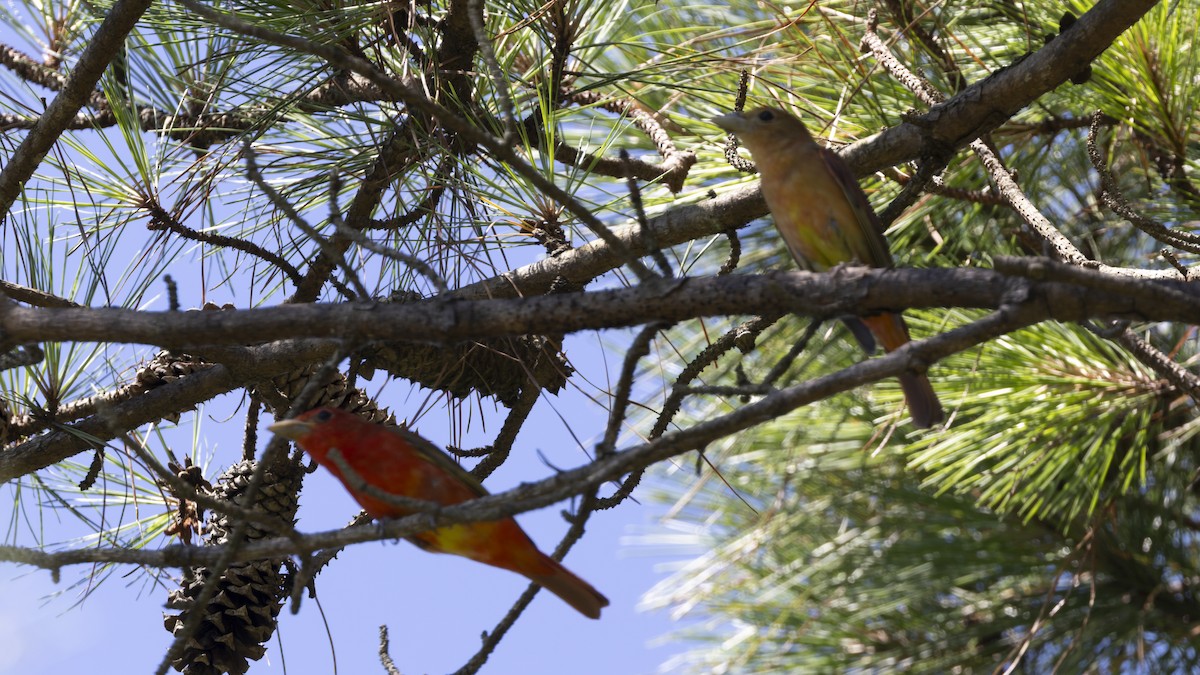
(1110, 194)
(1060, 291)
(1182, 378)
(987, 104)
(160, 219)
(740, 337)
(638, 348)
(20, 357)
(500, 449)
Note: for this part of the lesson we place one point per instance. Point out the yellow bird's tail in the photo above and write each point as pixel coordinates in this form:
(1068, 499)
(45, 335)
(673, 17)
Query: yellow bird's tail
(923, 403)
(891, 332)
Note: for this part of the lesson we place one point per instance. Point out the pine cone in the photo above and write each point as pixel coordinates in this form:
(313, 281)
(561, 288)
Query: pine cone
(333, 392)
(242, 614)
(167, 367)
(500, 367)
(189, 515)
(239, 619)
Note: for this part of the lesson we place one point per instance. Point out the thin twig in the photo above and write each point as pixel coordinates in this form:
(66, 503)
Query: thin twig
(513, 423)
(635, 198)
(1182, 378)
(798, 346)
(161, 220)
(742, 336)
(488, 53)
(492, 638)
(338, 57)
(638, 348)
(21, 357)
(283, 205)
(416, 264)
(1110, 194)
(384, 657)
(927, 170)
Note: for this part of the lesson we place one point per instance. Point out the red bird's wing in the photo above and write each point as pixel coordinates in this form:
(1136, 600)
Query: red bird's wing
(438, 457)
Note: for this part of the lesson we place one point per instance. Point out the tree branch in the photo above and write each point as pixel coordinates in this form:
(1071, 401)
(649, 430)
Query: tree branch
(1061, 292)
(989, 103)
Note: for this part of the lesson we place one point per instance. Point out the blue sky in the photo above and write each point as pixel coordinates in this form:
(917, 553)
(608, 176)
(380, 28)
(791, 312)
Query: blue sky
(436, 606)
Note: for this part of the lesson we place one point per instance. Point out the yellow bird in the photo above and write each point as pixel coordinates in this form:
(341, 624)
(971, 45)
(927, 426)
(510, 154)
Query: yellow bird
(826, 221)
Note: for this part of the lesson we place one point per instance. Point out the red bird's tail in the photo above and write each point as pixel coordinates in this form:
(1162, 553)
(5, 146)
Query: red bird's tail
(574, 591)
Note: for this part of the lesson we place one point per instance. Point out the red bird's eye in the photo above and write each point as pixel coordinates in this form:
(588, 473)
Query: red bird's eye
(766, 116)
(323, 415)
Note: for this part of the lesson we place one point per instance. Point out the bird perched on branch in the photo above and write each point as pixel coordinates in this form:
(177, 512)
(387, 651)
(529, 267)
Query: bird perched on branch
(384, 461)
(826, 221)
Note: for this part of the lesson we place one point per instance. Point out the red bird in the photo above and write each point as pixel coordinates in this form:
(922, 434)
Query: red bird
(400, 462)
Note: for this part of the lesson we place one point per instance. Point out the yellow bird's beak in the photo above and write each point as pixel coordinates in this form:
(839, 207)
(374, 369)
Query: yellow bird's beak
(734, 123)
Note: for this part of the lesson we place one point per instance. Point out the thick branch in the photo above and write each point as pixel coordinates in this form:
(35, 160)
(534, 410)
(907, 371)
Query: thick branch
(988, 103)
(1060, 292)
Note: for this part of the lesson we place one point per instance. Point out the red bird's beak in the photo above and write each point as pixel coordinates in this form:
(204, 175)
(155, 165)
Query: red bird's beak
(293, 429)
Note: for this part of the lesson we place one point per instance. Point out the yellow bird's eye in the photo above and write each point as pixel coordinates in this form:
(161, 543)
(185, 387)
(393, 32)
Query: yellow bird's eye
(766, 116)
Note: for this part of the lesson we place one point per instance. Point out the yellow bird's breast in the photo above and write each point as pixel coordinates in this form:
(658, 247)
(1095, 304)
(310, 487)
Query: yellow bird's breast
(813, 216)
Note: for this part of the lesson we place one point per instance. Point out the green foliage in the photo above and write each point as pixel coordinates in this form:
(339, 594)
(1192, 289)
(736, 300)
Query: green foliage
(834, 557)
(1051, 422)
(1050, 526)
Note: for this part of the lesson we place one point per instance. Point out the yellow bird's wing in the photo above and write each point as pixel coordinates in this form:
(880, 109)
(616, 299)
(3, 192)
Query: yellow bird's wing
(872, 230)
